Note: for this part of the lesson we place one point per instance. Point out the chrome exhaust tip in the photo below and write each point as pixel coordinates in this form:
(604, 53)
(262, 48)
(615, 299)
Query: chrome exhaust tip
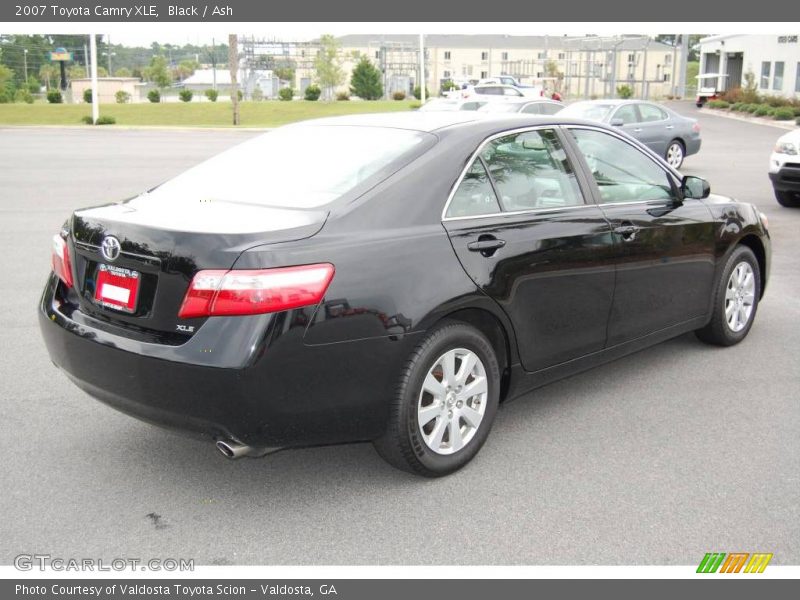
(233, 450)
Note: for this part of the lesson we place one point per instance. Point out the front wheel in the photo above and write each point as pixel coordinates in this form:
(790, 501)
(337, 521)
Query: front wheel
(444, 403)
(735, 300)
(788, 199)
(675, 154)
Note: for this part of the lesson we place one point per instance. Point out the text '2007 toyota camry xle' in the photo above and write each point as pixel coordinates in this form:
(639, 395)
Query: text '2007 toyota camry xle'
(392, 278)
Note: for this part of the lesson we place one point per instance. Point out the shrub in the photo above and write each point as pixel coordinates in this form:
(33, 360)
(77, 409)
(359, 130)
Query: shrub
(104, 120)
(257, 95)
(313, 92)
(122, 97)
(23, 95)
(625, 91)
(415, 105)
(154, 96)
(399, 95)
(418, 93)
(718, 104)
(751, 108)
(212, 95)
(776, 101)
(55, 97)
(762, 110)
(343, 96)
(185, 95)
(240, 95)
(285, 94)
(4, 97)
(448, 86)
(87, 95)
(796, 111)
(733, 95)
(783, 114)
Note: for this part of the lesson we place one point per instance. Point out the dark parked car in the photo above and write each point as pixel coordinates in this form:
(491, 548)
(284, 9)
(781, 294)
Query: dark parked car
(392, 278)
(661, 129)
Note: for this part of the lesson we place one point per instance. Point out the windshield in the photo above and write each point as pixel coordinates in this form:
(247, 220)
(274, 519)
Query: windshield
(302, 166)
(591, 111)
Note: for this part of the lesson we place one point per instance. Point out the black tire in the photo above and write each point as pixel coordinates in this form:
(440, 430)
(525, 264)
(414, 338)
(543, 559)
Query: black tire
(788, 199)
(402, 445)
(682, 146)
(718, 332)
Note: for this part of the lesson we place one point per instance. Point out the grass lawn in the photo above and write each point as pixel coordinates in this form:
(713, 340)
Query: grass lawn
(193, 114)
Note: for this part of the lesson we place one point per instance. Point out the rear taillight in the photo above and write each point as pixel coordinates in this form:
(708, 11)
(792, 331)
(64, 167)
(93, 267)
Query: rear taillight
(62, 265)
(696, 127)
(252, 292)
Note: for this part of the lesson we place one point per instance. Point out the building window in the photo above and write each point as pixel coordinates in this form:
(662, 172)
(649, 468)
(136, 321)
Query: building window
(446, 74)
(632, 58)
(484, 74)
(484, 56)
(541, 55)
(504, 56)
(777, 80)
(667, 59)
(447, 54)
(561, 56)
(666, 77)
(797, 79)
(466, 70)
(765, 70)
(377, 53)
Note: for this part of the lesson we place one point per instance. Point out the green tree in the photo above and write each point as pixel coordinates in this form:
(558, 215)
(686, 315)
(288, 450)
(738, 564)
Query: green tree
(49, 75)
(365, 81)
(158, 72)
(285, 73)
(186, 68)
(328, 66)
(6, 76)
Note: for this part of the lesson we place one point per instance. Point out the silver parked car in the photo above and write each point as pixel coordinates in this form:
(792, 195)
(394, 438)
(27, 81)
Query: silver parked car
(664, 131)
(526, 106)
(451, 104)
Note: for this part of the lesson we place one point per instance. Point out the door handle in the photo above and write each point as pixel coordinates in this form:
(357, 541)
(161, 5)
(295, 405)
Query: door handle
(637, 130)
(670, 126)
(487, 245)
(628, 232)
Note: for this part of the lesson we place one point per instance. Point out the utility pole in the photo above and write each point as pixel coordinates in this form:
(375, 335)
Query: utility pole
(645, 93)
(684, 64)
(214, 63)
(86, 60)
(95, 91)
(108, 48)
(421, 69)
(233, 65)
(25, 59)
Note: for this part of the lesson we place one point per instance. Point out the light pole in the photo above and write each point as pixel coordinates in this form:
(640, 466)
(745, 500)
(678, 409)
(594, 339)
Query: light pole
(25, 60)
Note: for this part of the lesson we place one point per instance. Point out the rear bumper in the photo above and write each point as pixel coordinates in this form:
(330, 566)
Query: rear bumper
(693, 145)
(786, 179)
(285, 393)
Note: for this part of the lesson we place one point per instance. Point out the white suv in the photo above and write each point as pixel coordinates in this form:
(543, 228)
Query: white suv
(784, 169)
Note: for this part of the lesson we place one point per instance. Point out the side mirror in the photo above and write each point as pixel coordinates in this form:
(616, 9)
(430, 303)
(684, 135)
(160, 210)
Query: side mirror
(695, 187)
(617, 122)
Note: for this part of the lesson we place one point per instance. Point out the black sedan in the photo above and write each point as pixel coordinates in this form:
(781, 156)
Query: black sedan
(393, 279)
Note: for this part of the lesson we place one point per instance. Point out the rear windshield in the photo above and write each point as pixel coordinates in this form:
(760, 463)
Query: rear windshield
(592, 112)
(303, 166)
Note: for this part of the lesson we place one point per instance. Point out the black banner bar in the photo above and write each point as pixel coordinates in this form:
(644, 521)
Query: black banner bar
(32, 11)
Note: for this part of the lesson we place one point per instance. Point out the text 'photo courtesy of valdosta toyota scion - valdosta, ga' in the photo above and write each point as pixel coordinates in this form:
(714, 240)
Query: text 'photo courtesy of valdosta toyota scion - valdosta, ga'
(434, 265)
(178, 590)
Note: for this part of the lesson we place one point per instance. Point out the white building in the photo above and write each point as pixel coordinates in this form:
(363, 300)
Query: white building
(248, 80)
(773, 61)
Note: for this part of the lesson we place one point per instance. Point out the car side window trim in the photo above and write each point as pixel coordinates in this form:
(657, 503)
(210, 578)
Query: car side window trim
(661, 110)
(477, 154)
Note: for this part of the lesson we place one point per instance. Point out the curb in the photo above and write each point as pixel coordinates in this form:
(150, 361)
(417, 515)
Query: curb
(788, 125)
(136, 128)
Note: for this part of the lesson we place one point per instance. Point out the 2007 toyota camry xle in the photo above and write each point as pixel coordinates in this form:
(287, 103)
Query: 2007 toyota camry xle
(392, 278)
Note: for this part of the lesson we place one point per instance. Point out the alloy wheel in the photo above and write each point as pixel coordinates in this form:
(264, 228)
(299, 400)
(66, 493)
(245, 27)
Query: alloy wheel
(675, 155)
(452, 401)
(740, 294)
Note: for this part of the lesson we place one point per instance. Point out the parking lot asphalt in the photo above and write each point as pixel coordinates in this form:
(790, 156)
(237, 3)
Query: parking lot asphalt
(658, 458)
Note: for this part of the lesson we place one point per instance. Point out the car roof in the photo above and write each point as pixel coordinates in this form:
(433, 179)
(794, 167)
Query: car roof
(414, 120)
(456, 120)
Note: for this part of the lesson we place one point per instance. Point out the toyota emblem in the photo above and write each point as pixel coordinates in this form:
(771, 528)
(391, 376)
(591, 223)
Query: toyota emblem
(110, 248)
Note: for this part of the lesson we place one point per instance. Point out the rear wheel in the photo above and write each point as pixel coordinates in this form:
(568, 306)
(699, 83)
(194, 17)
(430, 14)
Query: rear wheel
(735, 300)
(788, 199)
(675, 154)
(444, 404)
